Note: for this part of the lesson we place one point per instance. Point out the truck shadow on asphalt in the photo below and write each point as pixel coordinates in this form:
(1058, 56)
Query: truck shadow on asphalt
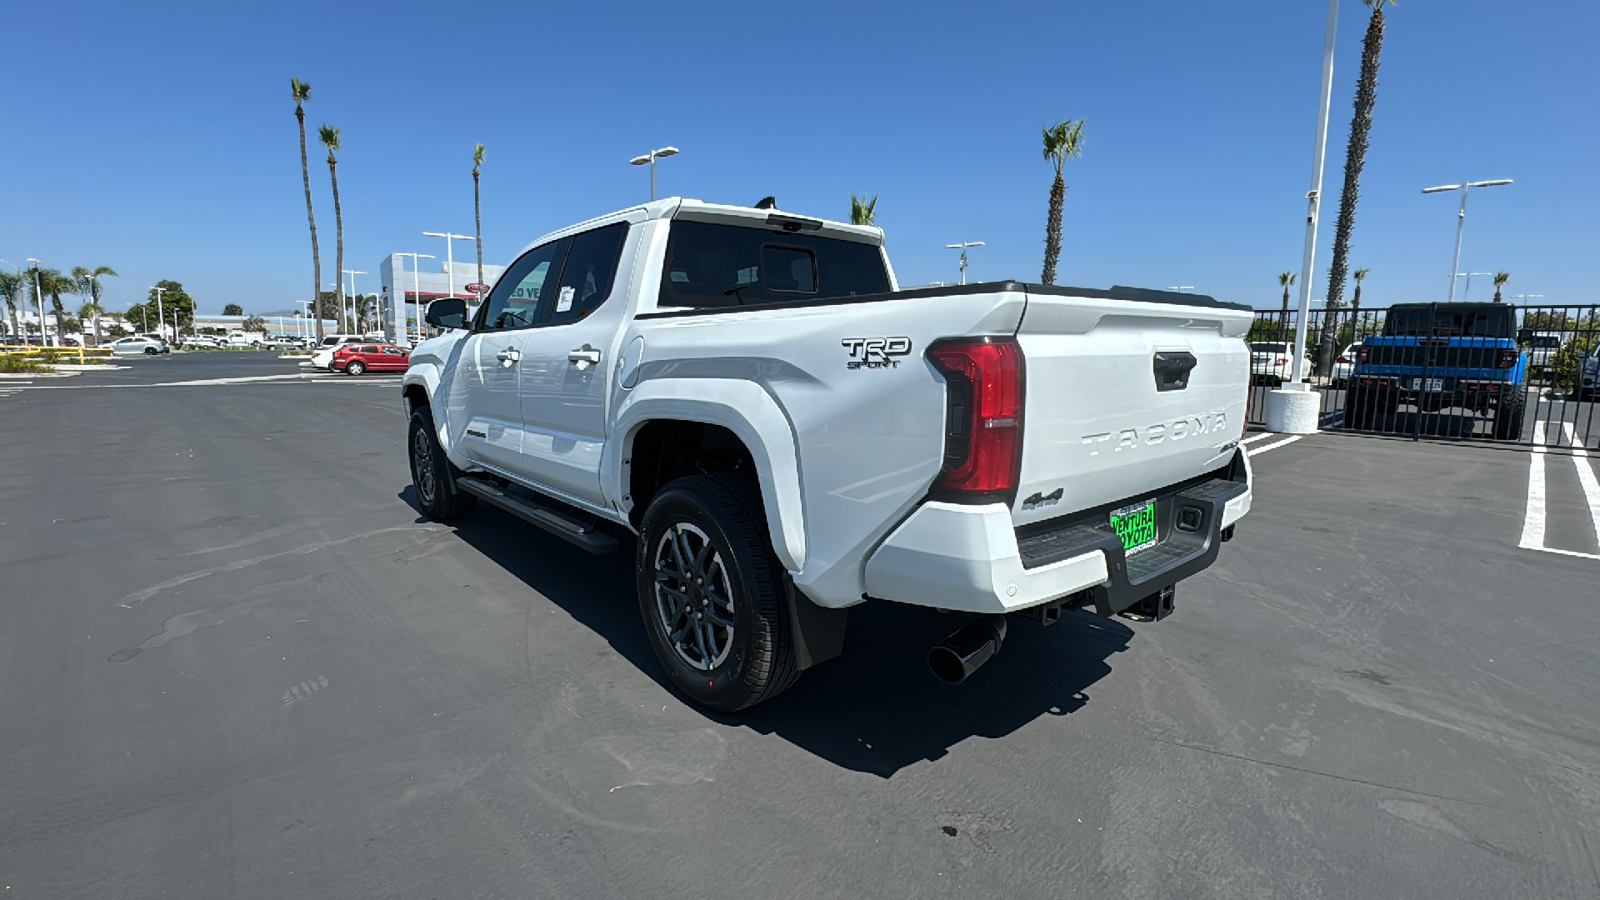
(874, 709)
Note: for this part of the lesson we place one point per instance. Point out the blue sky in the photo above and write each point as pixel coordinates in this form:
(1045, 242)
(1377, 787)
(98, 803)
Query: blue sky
(159, 138)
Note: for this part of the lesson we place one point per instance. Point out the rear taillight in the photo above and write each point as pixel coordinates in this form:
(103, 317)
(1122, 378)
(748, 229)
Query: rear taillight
(1508, 358)
(1343, 360)
(1283, 360)
(983, 418)
(1363, 355)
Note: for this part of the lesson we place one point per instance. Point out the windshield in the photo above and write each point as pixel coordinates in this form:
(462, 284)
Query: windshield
(1270, 347)
(1545, 342)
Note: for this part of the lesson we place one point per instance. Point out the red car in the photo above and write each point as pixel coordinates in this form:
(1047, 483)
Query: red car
(355, 359)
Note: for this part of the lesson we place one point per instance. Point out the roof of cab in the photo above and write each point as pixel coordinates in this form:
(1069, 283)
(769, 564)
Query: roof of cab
(688, 208)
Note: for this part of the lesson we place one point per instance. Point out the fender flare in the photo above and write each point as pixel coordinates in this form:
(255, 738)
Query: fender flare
(426, 376)
(742, 407)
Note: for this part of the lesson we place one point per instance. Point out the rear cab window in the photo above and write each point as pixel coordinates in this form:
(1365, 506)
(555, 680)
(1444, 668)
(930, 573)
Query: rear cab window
(1449, 321)
(713, 265)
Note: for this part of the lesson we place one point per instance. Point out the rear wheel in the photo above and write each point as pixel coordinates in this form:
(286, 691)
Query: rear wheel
(355, 367)
(432, 475)
(150, 351)
(1509, 416)
(1360, 408)
(710, 594)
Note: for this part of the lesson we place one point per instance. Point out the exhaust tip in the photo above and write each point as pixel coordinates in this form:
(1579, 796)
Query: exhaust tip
(954, 659)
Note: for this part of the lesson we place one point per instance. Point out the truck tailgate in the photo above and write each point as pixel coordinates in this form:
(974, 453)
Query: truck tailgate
(1125, 396)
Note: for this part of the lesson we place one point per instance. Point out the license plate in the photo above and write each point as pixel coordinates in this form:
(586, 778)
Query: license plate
(1136, 526)
(1434, 384)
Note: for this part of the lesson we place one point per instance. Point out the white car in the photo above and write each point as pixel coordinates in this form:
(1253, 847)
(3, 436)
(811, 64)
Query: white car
(1272, 363)
(323, 355)
(1343, 365)
(789, 435)
(139, 344)
(1589, 376)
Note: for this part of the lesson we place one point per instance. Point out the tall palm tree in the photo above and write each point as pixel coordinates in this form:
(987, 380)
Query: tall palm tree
(477, 216)
(53, 284)
(1500, 279)
(1062, 141)
(11, 284)
(330, 139)
(1285, 280)
(862, 210)
(1355, 157)
(302, 92)
(89, 284)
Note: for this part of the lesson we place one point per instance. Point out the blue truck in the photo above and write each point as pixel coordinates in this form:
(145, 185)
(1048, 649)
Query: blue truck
(1442, 356)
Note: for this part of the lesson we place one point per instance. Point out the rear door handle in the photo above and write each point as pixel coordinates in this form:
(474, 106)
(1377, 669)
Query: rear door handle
(584, 356)
(509, 355)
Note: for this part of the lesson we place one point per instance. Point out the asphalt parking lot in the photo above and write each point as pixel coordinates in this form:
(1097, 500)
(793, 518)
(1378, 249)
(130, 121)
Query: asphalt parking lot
(235, 662)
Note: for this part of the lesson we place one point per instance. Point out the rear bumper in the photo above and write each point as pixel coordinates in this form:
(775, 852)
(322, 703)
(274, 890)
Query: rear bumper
(970, 558)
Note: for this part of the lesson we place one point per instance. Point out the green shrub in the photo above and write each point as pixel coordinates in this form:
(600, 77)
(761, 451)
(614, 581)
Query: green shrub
(16, 363)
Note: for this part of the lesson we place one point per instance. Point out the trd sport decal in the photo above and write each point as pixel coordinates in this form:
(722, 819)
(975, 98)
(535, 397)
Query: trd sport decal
(877, 352)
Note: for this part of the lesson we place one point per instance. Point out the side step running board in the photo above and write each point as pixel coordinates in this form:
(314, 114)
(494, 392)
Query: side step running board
(557, 523)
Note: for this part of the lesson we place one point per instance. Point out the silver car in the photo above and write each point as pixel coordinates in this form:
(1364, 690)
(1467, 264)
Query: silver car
(130, 346)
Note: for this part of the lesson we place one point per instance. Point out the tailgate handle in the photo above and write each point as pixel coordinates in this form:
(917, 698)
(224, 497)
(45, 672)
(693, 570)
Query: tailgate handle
(1172, 370)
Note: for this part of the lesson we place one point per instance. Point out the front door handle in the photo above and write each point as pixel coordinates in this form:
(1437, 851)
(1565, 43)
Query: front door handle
(584, 356)
(508, 356)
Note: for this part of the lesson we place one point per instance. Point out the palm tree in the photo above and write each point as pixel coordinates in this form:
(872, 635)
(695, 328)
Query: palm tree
(862, 210)
(53, 284)
(1355, 158)
(89, 283)
(1500, 279)
(1285, 279)
(1061, 141)
(330, 139)
(302, 92)
(477, 216)
(11, 284)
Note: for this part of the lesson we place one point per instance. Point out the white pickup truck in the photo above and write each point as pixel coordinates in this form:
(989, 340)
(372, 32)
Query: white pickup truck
(788, 435)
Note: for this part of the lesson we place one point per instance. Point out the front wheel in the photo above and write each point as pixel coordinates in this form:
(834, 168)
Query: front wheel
(150, 351)
(432, 474)
(355, 367)
(710, 594)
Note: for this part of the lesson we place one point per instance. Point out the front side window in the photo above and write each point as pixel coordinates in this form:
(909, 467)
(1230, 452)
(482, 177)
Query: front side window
(712, 265)
(588, 274)
(514, 302)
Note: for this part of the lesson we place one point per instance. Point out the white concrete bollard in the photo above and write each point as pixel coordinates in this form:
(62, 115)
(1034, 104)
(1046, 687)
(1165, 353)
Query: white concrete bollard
(1292, 410)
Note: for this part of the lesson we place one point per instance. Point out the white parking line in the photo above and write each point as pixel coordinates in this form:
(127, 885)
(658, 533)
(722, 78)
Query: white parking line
(1533, 533)
(1249, 440)
(1249, 451)
(1586, 477)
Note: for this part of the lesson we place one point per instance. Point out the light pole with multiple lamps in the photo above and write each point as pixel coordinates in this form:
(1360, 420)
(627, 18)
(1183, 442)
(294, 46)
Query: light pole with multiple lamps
(355, 304)
(161, 317)
(416, 292)
(1466, 292)
(963, 248)
(650, 160)
(1461, 218)
(449, 255)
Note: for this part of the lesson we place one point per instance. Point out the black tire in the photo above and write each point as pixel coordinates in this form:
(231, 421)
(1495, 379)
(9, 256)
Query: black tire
(150, 351)
(1360, 409)
(721, 519)
(355, 367)
(1508, 417)
(432, 475)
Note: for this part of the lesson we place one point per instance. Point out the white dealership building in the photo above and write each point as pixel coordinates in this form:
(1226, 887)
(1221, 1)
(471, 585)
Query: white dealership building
(400, 278)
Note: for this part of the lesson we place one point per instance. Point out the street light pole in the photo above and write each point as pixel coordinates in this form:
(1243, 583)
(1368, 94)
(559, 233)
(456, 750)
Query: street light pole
(1461, 219)
(1466, 292)
(449, 254)
(416, 289)
(650, 160)
(1314, 196)
(161, 317)
(963, 248)
(38, 299)
(355, 305)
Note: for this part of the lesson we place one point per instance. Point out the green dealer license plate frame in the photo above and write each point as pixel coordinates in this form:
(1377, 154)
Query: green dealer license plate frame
(1136, 526)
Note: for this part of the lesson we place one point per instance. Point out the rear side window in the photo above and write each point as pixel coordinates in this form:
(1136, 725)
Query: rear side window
(587, 277)
(711, 265)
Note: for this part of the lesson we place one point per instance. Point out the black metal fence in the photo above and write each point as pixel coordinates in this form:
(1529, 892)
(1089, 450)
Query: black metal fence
(1441, 371)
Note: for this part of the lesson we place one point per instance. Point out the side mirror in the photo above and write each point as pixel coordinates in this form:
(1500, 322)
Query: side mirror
(450, 312)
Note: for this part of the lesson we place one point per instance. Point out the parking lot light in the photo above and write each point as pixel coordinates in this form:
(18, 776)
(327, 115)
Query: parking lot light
(1461, 218)
(650, 160)
(963, 248)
